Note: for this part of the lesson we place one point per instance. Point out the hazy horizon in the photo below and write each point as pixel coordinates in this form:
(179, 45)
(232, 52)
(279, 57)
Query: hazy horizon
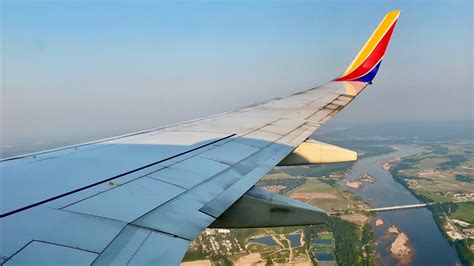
(84, 71)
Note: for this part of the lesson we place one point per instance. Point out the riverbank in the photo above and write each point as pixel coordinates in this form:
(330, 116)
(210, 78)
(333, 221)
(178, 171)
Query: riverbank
(462, 246)
(410, 175)
(417, 225)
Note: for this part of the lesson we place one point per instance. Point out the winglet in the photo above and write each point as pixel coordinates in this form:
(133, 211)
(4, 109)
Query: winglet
(365, 65)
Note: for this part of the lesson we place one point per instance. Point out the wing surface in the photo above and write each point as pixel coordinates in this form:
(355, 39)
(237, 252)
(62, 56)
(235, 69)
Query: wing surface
(141, 198)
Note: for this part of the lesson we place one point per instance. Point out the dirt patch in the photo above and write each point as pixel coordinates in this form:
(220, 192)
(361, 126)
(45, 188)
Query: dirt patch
(274, 188)
(312, 195)
(300, 263)
(358, 219)
(251, 259)
(197, 263)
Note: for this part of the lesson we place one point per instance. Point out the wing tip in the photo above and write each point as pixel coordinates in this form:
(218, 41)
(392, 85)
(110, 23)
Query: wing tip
(394, 12)
(365, 65)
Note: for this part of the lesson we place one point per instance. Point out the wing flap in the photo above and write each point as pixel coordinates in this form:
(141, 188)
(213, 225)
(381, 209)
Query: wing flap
(141, 246)
(43, 253)
(266, 159)
(262, 208)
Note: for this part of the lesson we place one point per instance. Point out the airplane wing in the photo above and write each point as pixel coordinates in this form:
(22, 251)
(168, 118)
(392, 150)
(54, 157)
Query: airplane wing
(141, 198)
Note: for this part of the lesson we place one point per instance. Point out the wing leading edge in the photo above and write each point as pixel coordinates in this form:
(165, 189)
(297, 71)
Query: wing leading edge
(141, 198)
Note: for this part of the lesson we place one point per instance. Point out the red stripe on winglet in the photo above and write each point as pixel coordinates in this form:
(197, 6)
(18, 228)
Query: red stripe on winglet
(373, 58)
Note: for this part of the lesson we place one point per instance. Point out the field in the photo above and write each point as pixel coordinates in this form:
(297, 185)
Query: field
(440, 174)
(321, 195)
(465, 212)
(324, 240)
(444, 173)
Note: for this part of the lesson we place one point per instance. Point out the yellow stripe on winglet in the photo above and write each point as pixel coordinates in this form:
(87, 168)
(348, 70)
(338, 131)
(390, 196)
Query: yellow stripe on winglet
(374, 39)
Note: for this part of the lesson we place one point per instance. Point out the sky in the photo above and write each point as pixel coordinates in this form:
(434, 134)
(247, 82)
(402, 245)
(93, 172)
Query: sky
(83, 70)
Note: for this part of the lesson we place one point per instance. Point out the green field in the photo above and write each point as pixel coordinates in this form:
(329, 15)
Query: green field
(444, 173)
(326, 235)
(465, 212)
(322, 195)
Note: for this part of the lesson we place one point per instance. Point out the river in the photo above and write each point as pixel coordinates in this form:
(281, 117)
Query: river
(426, 240)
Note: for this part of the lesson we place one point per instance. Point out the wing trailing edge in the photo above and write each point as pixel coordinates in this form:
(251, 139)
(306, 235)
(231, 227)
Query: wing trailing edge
(262, 208)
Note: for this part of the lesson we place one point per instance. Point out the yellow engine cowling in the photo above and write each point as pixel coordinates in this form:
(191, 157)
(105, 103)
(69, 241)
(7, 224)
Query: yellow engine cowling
(315, 152)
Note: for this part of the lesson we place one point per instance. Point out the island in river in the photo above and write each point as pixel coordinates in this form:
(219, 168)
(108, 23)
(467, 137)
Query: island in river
(368, 178)
(401, 250)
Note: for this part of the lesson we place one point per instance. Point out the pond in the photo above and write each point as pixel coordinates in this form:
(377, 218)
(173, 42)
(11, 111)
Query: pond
(295, 240)
(266, 240)
(324, 256)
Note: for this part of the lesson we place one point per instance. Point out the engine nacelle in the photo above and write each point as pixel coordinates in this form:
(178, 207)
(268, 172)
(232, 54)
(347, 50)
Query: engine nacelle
(315, 152)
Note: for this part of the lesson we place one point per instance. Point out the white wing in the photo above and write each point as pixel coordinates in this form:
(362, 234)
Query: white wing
(143, 197)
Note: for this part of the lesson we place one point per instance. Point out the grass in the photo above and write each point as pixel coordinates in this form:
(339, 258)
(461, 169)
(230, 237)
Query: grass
(431, 195)
(429, 163)
(316, 170)
(445, 161)
(318, 186)
(326, 235)
(281, 256)
(448, 160)
(257, 248)
(330, 204)
(320, 246)
(299, 251)
(274, 174)
(465, 212)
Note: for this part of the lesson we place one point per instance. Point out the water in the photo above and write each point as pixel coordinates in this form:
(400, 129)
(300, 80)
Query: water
(294, 240)
(427, 242)
(324, 256)
(266, 240)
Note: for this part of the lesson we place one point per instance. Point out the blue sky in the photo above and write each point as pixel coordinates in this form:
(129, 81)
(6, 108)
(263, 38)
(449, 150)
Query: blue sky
(90, 69)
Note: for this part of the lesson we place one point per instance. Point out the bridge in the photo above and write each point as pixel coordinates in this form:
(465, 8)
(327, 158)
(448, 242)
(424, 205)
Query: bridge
(391, 208)
(399, 207)
(385, 209)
